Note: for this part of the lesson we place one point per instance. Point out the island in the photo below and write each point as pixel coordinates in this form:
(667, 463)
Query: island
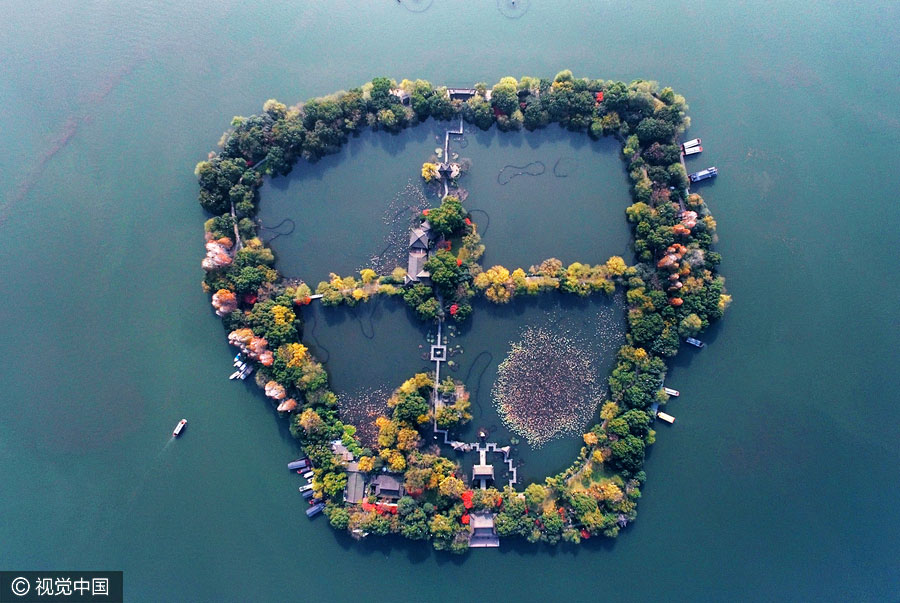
(400, 485)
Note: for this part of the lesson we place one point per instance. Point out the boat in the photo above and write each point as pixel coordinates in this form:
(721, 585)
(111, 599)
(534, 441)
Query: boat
(695, 342)
(694, 142)
(710, 172)
(693, 150)
(305, 487)
(308, 474)
(298, 464)
(665, 417)
(179, 428)
(672, 392)
(235, 375)
(315, 510)
(307, 494)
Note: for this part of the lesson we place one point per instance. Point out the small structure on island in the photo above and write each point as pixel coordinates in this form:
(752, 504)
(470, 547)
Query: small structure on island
(483, 534)
(401, 95)
(420, 237)
(449, 171)
(287, 405)
(462, 94)
(341, 451)
(438, 352)
(356, 485)
(420, 242)
(388, 486)
(483, 472)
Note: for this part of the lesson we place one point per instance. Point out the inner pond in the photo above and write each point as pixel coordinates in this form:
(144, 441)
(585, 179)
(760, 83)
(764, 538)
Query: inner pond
(533, 195)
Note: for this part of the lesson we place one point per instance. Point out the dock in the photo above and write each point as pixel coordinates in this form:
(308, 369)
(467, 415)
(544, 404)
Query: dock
(446, 157)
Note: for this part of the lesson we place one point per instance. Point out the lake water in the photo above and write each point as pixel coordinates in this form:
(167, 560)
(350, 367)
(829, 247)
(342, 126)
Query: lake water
(779, 478)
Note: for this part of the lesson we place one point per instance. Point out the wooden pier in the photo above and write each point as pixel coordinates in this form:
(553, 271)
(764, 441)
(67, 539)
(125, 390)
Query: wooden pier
(446, 157)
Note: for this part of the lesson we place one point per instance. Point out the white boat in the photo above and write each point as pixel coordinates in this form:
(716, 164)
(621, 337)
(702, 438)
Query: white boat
(235, 375)
(672, 392)
(691, 143)
(693, 151)
(179, 428)
(305, 488)
(308, 474)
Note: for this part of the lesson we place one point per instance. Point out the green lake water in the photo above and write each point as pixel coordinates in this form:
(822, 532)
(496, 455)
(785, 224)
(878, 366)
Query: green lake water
(777, 482)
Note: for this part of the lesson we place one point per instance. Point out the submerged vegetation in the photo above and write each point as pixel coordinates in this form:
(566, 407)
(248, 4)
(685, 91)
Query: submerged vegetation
(672, 291)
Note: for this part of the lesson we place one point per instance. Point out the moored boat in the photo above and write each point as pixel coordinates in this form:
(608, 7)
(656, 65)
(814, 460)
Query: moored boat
(672, 392)
(305, 487)
(299, 464)
(693, 150)
(694, 142)
(307, 494)
(179, 428)
(665, 417)
(710, 172)
(695, 342)
(308, 474)
(315, 510)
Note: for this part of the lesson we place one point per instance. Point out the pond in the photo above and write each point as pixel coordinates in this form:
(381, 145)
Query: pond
(533, 195)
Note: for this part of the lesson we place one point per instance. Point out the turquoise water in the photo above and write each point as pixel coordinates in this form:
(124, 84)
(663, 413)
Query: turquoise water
(776, 482)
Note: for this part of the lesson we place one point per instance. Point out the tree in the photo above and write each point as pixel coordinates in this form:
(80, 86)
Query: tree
(690, 325)
(310, 421)
(505, 95)
(410, 408)
(407, 439)
(651, 130)
(338, 516)
(441, 527)
(476, 110)
(615, 266)
(452, 487)
(414, 525)
(552, 526)
(334, 483)
(446, 272)
(535, 495)
(448, 218)
(430, 172)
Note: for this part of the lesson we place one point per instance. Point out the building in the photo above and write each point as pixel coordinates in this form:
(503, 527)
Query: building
(388, 486)
(462, 94)
(483, 532)
(483, 472)
(419, 245)
(341, 451)
(402, 96)
(356, 487)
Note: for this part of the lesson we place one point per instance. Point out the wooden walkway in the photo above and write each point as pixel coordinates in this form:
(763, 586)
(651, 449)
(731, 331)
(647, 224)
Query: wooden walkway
(447, 151)
(687, 187)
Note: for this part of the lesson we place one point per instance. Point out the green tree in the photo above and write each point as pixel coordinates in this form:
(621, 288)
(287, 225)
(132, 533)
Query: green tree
(410, 407)
(448, 218)
(505, 95)
(690, 325)
(535, 495)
